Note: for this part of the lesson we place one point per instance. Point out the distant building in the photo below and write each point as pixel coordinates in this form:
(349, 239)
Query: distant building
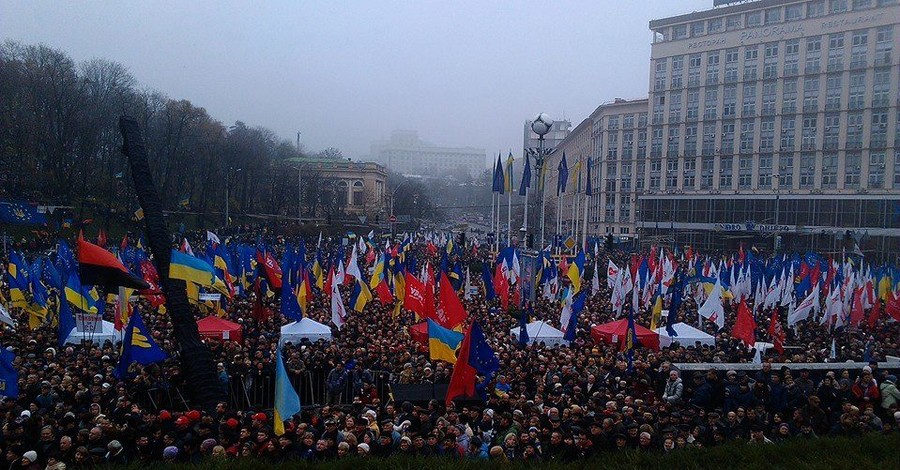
(557, 134)
(338, 187)
(405, 153)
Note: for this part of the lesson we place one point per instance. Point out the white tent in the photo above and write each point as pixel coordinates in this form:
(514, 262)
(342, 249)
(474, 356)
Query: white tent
(687, 336)
(306, 328)
(106, 332)
(541, 332)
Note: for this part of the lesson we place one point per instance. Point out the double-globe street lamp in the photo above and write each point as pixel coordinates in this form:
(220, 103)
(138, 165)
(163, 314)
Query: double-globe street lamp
(541, 126)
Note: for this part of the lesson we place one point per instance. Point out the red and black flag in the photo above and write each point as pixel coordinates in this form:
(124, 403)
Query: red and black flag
(99, 267)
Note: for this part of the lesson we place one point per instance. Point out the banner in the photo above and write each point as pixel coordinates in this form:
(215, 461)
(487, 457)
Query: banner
(86, 322)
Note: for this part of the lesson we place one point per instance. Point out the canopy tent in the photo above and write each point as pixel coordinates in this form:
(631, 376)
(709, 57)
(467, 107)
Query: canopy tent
(217, 328)
(419, 333)
(541, 332)
(687, 335)
(107, 332)
(306, 328)
(614, 333)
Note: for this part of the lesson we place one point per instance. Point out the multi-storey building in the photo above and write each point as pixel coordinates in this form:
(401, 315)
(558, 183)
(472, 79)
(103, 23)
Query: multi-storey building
(767, 120)
(338, 187)
(775, 117)
(404, 152)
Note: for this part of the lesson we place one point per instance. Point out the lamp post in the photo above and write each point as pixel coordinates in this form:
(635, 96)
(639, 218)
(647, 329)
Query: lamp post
(227, 191)
(392, 217)
(541, 125)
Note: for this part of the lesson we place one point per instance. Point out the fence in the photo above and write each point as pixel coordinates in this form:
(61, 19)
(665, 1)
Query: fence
(259, 392)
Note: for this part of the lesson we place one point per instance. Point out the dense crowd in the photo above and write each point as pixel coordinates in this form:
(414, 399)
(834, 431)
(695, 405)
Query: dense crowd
(546, 403)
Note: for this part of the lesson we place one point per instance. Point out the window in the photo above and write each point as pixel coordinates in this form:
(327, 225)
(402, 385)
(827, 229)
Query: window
(809, 132)
(897, 168)
(810, 94)
(788, 131)
(690, 140)
(793, 12)
(612, 146)
(764, 180)
(815, 9)
(767, 135)
(749, 103)
(768, 98)
(832, 131)
(712, 68)
(837, 6)
(656, 143)
(680, 32)
(876, 170)
(786, 171)
(639, 176)
(613, 123)
(628, 121)
(709, 138)
(674, 141)
(731, 61)
(625, 211)
(835, 52)
(693, 105)
(697, 29)
(829, 171)
(725, 172)
(659, 105)
(628, 144)
(714, 26)
(754, 19)
(807, 170)
(672, 173)
(770, 69)
(814, 54)
(729, 108)
(789, 96)
(642, 120)
(857, 90)
(854, 130)
(792, 57)
(727, 137)
(883, 45)
(851, 170)
(858, 49)
(833, 92)
(745, 172)
(733, 22)
(773, 15)
(861, 4)
(878, 133)
(747, 134)
(751, 54)
(881, 90)
(707, 169)
(694, 70)
(710, 103)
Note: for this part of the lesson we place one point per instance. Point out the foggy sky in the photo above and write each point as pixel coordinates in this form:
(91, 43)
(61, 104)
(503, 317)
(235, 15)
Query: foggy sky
(461, 73)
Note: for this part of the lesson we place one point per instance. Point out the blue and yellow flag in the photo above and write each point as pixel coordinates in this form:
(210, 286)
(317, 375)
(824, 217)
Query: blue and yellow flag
(18, 212)
(360, 296)
(287, 402)
(576, 272)
(526, 177)
(137, 346)
(78, 296)
(9, 378)
(17, 278)
(442, 342)
(190, 268)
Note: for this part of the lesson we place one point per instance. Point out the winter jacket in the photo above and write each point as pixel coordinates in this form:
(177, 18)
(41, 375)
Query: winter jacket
(673, 391)
(889, 394)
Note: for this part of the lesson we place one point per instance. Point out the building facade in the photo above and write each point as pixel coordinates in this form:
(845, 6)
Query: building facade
(775, 118)
(341, 188)
(767, 122)
(405, 153)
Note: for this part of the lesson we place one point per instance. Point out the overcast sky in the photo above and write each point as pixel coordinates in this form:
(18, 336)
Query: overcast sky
(461, 73)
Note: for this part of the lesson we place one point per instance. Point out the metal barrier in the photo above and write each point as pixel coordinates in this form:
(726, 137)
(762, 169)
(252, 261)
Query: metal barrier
(259, 391)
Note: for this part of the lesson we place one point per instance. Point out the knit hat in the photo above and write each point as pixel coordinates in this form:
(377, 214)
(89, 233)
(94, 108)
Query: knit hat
(170, 452)
(30, 455)
(364, 447)
(231, 423)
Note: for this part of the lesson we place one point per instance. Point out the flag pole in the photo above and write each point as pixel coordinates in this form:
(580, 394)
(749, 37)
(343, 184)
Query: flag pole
(493, 198)
(509, 214)
(525, 218)
(584, 228)
(558, 221)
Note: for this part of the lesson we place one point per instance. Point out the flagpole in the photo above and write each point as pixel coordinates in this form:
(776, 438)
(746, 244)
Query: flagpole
(493, 198)
(574, 225)
(509, 214)
(525, 219)
(584, 227)
(558, 221)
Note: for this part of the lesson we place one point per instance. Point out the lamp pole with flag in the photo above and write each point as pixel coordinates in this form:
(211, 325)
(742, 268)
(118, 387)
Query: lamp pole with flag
(541, 125)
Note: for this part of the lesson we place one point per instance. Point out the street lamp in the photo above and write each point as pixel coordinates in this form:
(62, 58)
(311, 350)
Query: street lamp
(392, 217)
(227, 188)
(541, 125)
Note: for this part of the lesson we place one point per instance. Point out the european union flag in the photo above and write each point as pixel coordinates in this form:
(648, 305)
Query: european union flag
(482, 357)
(675, 304)
(137, 346)
(488, 280)
(18, 212)
(9, 378)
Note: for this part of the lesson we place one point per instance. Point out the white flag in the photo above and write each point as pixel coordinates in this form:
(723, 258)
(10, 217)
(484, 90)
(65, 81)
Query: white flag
(612, 275)
(803, 310)
(595, 282)
(712, 309)
(566, 314)
(362, 245)
(212, 237)
(353, 266)
(338, 312)
(5, 318)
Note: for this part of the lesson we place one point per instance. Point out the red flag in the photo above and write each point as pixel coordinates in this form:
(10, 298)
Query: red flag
(416, 296)
(776, 332)
(516, 297)
(745, 327)
(370, 256)
(270, 268)
(384, 292)
(101, 238)
(328, 281)
(432, 249)
(857, 313)
(462, 382)
(151, 277)
(124, 243)
(450, 310)
(893, 306)
(260, 311)
(563, 266)
(875, 314)
(501, 287)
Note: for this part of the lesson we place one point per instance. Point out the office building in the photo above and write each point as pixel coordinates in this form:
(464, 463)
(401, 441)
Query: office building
(405, 153)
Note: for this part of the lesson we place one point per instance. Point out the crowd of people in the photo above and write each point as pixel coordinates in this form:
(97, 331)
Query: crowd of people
(561, 403)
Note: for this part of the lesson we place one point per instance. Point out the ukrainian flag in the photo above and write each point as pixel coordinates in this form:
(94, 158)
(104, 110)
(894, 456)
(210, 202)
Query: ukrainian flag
(508, 176)
(17, 278)
(360, 296)
(443, 343)
(77, 296)
(287, 402)
(189, 268)
(576, 271)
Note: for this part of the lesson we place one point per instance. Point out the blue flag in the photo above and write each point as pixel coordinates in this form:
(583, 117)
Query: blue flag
(523, 328)
(9, 378)
(675, 304)
(577, 307)
(18, 212)
(482, 358)
(498, 185)
(488, 280)
(526, 177)
(589, 188)
(137, 346)
(563, 177)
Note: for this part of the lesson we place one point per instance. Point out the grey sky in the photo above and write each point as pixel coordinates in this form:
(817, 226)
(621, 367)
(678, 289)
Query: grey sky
(462, 73)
